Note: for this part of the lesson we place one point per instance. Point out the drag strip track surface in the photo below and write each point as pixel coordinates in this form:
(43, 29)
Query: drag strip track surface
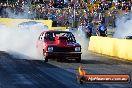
(22, 73)
(99, 64)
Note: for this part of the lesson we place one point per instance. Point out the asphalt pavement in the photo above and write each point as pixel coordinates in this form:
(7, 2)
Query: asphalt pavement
(24, 73)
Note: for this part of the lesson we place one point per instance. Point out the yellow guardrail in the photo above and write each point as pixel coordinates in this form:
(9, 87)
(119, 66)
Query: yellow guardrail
(58, 28)
(111, 46)
(14, 22)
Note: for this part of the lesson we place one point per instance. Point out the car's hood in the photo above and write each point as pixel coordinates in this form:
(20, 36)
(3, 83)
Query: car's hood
(68, 44)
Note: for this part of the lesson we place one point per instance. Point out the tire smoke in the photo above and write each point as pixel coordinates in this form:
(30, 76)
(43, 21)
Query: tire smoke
(123, 26)
(83, 41)
(20, 41)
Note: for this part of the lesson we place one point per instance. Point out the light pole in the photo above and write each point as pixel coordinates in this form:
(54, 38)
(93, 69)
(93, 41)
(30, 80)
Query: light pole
(74, 16)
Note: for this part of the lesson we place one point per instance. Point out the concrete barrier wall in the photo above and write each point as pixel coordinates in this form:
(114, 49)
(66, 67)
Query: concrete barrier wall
(58, 28)
(14, 22)
(121, 48)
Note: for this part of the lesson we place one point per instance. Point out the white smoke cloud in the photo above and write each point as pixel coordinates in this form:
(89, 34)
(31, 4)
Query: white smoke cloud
(123, 26)
(22, 41)
(82, 40)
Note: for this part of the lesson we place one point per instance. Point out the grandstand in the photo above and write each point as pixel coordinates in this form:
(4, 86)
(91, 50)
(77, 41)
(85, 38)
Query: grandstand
(67, 12)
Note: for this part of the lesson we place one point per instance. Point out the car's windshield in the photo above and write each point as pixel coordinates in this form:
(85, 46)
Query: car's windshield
(50, 36)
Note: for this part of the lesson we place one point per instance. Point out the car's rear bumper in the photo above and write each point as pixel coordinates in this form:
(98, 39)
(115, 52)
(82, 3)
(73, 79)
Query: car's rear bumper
(67, 55)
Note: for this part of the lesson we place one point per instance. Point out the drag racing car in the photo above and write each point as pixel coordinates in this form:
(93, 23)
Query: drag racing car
(60, 45)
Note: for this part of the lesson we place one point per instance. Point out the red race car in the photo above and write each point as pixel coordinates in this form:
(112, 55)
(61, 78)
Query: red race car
(58, 45)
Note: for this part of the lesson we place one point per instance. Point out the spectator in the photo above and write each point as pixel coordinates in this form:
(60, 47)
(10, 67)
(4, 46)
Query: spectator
(77, 11)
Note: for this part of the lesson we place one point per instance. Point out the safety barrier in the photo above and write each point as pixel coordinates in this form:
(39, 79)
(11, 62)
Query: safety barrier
(111, 46)
(58, 28)
(14, 22)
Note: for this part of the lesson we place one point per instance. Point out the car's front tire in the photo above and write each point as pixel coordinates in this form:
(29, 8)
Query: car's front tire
(45, 58)
(60, 59)
(78, 59)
